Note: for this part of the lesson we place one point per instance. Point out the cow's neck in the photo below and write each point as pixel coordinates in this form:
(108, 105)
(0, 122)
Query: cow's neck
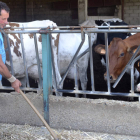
(133, 40)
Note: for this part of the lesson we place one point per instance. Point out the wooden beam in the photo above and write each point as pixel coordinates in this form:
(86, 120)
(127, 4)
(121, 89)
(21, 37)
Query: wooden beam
(122, 10)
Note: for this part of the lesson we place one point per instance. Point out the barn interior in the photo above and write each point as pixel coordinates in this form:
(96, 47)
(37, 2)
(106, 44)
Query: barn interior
(103, 115)
(69, 12)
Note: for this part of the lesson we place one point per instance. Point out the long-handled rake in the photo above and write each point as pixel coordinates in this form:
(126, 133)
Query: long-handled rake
(39, 115)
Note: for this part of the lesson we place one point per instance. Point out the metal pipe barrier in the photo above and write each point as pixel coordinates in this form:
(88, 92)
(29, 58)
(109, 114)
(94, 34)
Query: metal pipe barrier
(27, 85)
(105, 30)
(76, 31)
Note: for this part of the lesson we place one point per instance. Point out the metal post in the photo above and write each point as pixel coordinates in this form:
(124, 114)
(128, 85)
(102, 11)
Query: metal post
(24, 60)
(47, 73)
(107, 62)
(132, 79)
(91, 63)
(38, 62)
(76, 80)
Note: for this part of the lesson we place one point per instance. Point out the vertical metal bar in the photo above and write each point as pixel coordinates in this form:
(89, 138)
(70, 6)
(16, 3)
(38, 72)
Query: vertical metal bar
(53, 68)
(75, 77)
(107, 61)
(50, 62)
(24, 60)
(132, 79)
(1, 84)
(10, 56)
(38, 61)
(122, 10)
(132, 73)
(91, 63)
(47, 73)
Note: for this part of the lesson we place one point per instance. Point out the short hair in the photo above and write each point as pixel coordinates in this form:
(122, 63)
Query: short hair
(3, 6)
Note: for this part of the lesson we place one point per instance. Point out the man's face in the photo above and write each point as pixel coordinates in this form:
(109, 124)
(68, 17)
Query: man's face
(3, 18)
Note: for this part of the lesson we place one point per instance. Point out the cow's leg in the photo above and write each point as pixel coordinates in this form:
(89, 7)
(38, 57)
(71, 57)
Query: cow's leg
(83, 71)
(56, 83)
(58, 78)
(57, 73)
(83, 80)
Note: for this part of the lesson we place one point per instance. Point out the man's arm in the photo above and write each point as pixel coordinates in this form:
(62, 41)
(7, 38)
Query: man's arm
(15, 83)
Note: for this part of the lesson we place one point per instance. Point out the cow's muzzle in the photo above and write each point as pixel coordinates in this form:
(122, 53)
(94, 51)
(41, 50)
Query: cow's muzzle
(112, 79)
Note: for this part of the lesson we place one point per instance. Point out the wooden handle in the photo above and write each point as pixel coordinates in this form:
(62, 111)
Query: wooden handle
(39, 115)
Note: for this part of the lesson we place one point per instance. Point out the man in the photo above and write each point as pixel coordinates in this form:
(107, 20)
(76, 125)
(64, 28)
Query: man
(4, 15)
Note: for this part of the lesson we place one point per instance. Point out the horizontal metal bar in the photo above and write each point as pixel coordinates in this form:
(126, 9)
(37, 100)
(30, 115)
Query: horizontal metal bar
(98, 93)
(74, 27)
(22, 88)
(76, 31)
(43, 31)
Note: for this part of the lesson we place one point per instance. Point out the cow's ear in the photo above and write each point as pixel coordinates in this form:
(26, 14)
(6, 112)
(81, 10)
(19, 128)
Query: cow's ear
(132, 49)
(100, 49)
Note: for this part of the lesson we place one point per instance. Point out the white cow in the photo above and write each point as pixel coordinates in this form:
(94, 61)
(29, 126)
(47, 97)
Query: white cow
(64, 48)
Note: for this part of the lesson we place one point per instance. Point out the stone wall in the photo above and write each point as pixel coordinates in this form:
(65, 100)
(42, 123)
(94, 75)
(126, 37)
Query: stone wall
(29, 10)
(132, 12)
(17, 10)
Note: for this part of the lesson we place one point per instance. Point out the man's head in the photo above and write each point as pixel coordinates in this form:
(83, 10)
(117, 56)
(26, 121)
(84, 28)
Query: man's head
(4, 14)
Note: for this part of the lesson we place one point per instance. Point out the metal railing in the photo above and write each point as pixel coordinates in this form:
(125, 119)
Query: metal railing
(27, 86)
(130, 65)
(82, 30)
(48, 60)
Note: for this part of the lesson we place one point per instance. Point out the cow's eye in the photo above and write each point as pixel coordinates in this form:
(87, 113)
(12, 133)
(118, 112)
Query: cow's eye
(122, 54)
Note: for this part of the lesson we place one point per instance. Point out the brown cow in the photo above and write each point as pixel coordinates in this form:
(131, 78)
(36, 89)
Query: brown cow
(120, 51)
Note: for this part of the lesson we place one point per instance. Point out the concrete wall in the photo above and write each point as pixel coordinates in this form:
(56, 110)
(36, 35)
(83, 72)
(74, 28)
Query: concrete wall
(132, 12)
(98, 115)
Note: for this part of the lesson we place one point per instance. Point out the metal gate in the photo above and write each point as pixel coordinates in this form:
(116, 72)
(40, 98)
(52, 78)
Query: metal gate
(75, 58)
(47, 57)
(130, 65)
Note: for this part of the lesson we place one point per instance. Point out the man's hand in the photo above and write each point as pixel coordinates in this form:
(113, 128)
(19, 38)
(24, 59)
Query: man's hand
(16, 85)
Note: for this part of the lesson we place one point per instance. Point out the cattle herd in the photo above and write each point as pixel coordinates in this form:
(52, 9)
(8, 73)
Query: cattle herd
(121, 48)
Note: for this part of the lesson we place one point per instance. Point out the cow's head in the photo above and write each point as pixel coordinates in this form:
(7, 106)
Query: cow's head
(119, 54)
